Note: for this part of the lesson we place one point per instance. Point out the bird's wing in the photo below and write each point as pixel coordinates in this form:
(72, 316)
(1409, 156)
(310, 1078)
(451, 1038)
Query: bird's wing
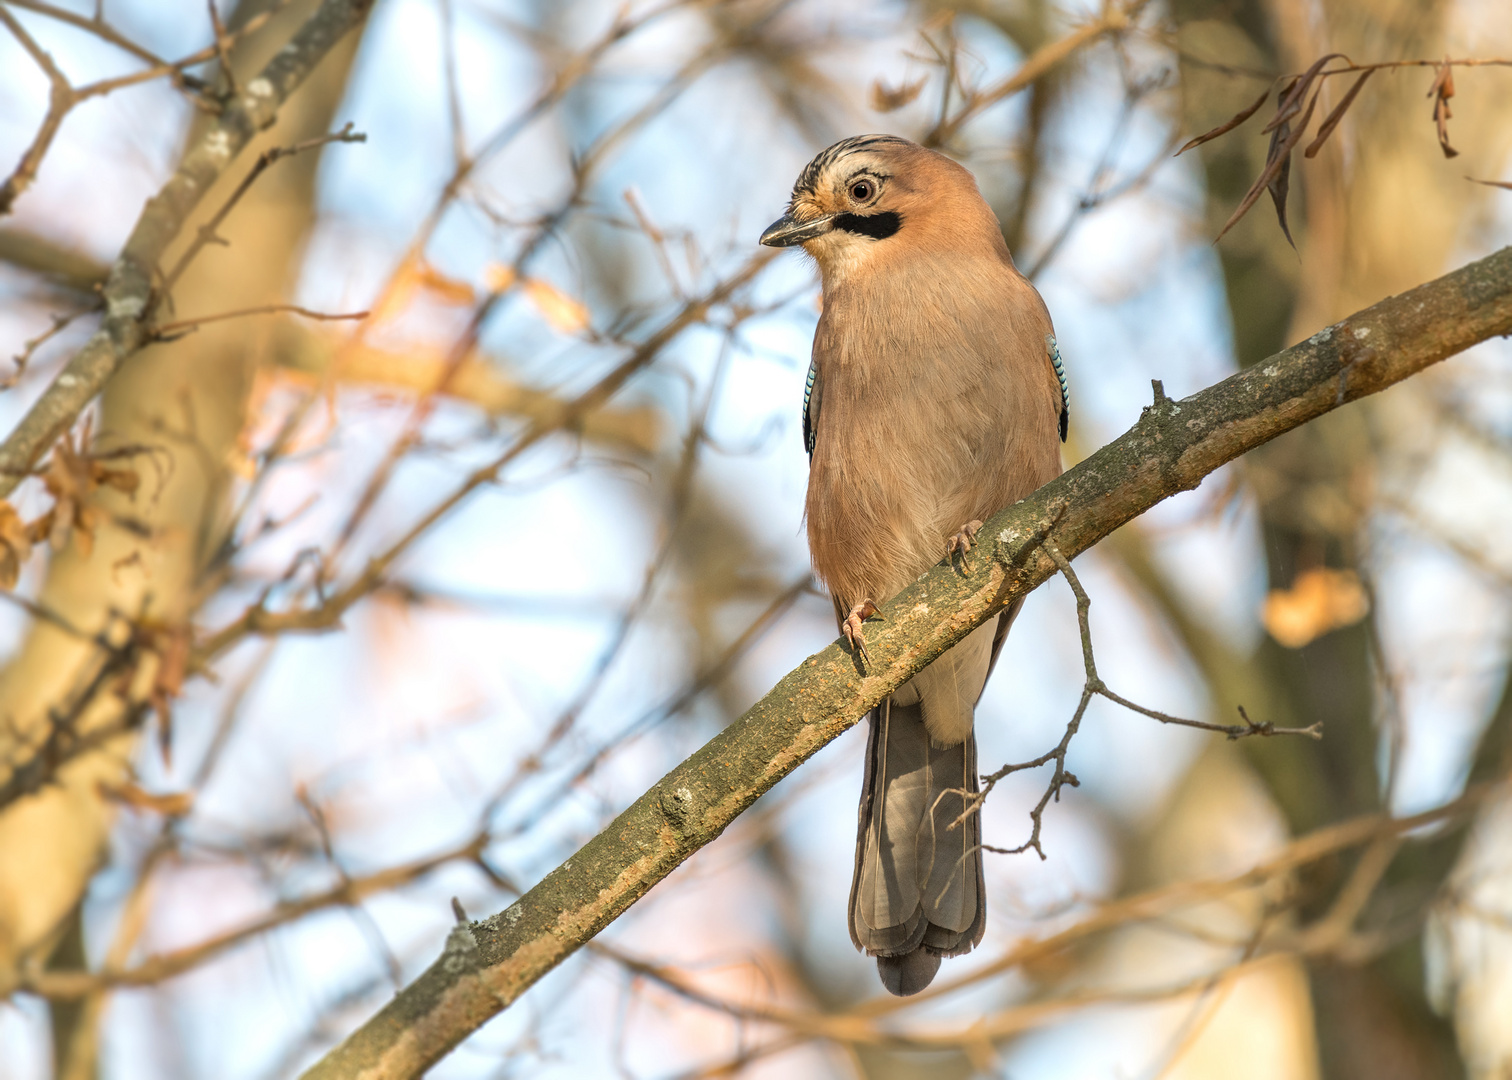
(1053, 351)
(812, 392)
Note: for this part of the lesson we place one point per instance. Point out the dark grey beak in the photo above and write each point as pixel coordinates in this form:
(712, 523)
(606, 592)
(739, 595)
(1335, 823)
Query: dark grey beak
(788, 231)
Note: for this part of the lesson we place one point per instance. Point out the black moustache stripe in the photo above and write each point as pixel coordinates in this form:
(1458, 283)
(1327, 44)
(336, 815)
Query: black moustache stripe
(877, 226)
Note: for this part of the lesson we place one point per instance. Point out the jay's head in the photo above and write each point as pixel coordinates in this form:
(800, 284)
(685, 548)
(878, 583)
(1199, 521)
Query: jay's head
(871, 199)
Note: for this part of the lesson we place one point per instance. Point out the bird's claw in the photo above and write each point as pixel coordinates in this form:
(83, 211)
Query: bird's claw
(851, 627)
(960, 543)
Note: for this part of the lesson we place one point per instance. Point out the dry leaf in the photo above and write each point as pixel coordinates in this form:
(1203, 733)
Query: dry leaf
(1277, 160)
(411, 278)
(15, 545)
(1441, 91)
(447, 289)
(498, 278)
(886, 98)
(171, 643)
(1295, 91)
(1334, 117)
(72, 477)
(563, 312)
(1281, 183)
(125, 481)
(401, 289)
(1225, 127)
(169, 803)
(1318, 602)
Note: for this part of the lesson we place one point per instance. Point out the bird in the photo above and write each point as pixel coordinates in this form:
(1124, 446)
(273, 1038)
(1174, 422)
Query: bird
(935, 396)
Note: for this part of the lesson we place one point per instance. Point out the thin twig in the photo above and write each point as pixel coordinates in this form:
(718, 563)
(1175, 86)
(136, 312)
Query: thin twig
(30, 347)
(175, 330)
(1094, 686)
(223, 49)
(1116, 17)
(207, 234)
(61, 98)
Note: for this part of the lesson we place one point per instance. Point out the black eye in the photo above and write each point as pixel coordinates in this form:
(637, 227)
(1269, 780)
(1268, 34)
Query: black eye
(862, 190)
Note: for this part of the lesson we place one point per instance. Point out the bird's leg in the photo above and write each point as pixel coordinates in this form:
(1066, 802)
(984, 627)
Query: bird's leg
(960, 543)
(851, 627)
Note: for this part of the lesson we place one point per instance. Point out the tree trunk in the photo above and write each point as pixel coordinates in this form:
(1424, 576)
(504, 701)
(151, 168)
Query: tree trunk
(187, 400)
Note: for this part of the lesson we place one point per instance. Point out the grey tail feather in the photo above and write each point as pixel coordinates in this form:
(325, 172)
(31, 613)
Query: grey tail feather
(917, 893)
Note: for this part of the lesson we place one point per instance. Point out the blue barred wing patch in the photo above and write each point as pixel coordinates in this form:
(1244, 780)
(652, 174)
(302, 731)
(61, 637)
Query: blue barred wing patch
(808, 420)
(1060, 373)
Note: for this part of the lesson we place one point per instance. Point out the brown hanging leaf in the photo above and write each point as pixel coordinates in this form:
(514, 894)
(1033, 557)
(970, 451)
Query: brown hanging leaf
(1295, 91)
(1334, 117)
(1441, 91)
(169, 646)
(1276, 160)
(67, 481)
(1225, 127)
(72, 477)
(15, 546)
(886, 98)
(1280, 185)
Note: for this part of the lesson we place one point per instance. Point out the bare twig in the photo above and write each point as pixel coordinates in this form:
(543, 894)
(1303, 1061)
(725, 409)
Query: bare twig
(206, 234)
(223, 49)
(1116, 17)
(60, 99)
(175, 330)
(64, 96)
(30, 347)
(1093, 687)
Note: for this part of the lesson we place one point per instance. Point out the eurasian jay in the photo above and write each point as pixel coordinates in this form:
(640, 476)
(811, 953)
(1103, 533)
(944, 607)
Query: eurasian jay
(935, 398)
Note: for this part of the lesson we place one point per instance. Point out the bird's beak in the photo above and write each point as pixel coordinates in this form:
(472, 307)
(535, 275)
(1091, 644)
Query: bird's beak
(787, 230)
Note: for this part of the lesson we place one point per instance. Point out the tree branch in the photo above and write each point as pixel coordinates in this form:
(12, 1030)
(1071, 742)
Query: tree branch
(488, 965)
(128, 293)
(1115, 17)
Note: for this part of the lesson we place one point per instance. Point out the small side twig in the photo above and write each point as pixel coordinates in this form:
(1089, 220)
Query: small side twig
(61, 98)
(1095, 687)
(223, 49)
(30, 347)
(174, 330)
(207, 234)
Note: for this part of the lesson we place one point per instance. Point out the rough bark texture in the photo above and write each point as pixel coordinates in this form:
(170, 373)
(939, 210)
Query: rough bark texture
(187, 400)
(487, 965)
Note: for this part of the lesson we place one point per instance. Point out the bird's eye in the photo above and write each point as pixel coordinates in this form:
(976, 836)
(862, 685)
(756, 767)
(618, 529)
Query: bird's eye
(862, 190)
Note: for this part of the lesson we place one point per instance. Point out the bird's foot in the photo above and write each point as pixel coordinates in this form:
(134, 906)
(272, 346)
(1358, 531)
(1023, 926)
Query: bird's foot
(960, 543)
(851, 627)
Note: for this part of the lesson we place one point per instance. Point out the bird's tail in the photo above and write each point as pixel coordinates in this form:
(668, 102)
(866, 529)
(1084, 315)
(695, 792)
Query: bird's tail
(917, 894)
